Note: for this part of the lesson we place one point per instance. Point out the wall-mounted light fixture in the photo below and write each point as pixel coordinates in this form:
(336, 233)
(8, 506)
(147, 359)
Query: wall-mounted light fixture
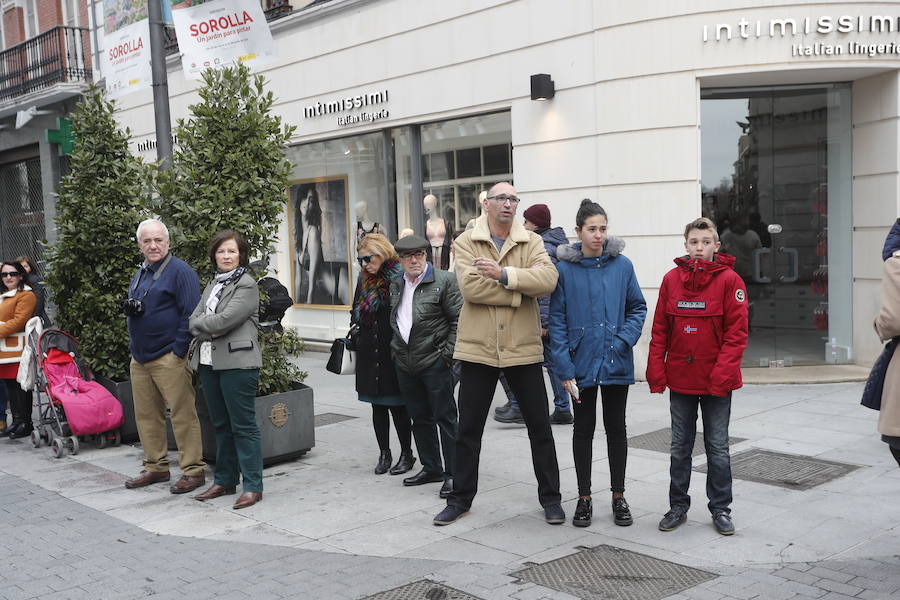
(542, 87)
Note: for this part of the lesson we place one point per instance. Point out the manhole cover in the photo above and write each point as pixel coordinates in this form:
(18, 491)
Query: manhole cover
(610, 573)
(331, 419)
(784, 470)
(422, 590)
(661, 441)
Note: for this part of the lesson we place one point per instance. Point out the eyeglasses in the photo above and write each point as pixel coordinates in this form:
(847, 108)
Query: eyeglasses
(419, 254)
(503, 199)
(10, 274)
(365, 259)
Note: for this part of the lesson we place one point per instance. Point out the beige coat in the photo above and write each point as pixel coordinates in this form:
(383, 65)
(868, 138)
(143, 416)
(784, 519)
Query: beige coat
(887, 324)
(499, 325)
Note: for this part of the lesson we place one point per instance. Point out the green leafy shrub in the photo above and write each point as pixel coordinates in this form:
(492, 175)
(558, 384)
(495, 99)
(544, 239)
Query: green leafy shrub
(230, 172)
(100, 203)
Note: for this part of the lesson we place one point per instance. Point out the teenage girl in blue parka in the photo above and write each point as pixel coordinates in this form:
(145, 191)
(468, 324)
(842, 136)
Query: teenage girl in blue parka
(596, 315)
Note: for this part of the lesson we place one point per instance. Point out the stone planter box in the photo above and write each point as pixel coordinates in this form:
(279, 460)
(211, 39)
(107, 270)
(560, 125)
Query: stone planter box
(122, 391)
(286, 422)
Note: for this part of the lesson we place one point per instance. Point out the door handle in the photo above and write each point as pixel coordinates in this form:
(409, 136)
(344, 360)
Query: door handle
(794, 262)
(757, 265)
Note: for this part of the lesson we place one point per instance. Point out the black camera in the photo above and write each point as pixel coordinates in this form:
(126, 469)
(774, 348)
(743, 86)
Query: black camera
(132, 307)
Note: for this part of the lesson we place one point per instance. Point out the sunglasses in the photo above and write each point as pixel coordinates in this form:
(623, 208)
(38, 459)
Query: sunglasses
(364, 260)
(9, 274)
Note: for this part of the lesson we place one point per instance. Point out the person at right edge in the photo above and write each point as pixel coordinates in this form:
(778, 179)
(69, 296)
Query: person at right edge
(502, 269)
(596, 315)
(887, 325)
(699, 336)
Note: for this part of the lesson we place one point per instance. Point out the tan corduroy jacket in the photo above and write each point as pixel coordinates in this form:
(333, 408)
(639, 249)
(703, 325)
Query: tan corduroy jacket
(887, 324)
(499, 325)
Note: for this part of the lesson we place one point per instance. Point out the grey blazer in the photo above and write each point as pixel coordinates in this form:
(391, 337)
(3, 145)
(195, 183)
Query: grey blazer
(232, 328)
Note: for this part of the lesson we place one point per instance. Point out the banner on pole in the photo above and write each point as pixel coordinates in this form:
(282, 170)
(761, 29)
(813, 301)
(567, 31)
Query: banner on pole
(217, 33)
(126, 40)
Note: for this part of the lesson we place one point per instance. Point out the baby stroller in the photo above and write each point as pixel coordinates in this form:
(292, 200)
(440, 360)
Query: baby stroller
(70, 403)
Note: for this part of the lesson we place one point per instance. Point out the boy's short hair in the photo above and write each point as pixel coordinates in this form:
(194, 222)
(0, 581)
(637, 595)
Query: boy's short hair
(701, 223)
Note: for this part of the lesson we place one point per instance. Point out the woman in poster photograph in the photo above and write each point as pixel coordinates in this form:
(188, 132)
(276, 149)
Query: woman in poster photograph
(320, 281)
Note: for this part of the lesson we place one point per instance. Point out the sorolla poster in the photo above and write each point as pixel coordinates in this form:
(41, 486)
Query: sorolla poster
(126, 39)
(216, 33)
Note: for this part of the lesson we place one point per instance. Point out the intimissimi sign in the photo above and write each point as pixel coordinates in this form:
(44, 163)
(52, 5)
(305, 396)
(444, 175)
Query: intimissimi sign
(348, 104)
(824, 26)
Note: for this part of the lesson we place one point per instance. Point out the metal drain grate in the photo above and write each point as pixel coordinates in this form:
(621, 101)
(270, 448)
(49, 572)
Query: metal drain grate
(422, 590)
(610, 573)
(784, 470)
(661, 441)
(331, 419)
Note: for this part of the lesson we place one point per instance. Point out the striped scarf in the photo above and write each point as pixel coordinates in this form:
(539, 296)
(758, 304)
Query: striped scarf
(374, 291)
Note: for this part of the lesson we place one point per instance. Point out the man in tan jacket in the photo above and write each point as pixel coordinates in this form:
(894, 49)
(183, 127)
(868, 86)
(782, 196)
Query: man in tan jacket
(502, 269)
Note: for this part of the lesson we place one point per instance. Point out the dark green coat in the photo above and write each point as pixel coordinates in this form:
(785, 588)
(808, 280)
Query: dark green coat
(436, 307)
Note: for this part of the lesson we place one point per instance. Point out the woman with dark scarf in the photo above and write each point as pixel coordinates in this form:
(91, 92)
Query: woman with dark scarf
(227, 357)
(376, 380)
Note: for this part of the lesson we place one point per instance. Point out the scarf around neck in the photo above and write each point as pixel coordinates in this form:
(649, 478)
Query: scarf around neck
(222, 280)
(374, 290)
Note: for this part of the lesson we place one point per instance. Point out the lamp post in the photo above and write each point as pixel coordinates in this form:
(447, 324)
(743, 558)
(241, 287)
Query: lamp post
(160, 85)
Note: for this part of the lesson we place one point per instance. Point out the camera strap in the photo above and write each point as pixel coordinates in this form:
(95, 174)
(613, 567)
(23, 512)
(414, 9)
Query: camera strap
(157, 275)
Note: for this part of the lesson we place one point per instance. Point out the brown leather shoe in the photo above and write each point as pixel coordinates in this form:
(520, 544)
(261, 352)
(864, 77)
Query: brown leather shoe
(146, 478)
(247, 499)
(214, 491)
(187, 483)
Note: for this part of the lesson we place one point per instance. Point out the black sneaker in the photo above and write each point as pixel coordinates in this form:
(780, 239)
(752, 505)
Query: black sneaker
(554, 514)
(621, 512)
(561, 417)
(583, 513)
(723, 523)
(449, 515)
(513, 415)
(673, 519)
(502, 409)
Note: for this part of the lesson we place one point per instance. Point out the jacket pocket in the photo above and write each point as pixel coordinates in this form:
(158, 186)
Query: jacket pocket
(620, 362)
(238, 345)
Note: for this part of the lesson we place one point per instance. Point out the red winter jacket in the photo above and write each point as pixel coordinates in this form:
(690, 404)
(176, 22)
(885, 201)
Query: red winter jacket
(699, 329)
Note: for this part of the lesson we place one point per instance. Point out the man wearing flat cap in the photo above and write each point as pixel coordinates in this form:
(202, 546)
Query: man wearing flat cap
(425, 305)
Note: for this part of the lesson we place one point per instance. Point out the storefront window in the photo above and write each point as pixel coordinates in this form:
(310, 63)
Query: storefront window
(462, 157)
(338, 193)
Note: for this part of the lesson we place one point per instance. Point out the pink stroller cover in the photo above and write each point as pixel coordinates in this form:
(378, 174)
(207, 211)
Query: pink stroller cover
(89, 407)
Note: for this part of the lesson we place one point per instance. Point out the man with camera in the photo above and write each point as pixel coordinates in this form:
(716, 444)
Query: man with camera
(161, 296)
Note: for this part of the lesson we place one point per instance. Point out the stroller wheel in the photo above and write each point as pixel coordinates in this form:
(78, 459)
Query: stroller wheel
(118, 438)
(102, 440)
(72, 444)
(36, 440)
(56, 448)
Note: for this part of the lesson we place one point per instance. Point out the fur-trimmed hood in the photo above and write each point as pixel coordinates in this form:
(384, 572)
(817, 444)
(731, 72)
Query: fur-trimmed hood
(572, 252)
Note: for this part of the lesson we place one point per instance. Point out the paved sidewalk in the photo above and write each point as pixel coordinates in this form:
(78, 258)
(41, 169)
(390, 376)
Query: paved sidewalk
(329, 528)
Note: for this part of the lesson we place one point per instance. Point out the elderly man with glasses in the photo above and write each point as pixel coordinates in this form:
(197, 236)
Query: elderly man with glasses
(425, 305)
(502, 269)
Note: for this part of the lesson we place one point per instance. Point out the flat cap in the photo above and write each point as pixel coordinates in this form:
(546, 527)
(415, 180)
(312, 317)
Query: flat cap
(410, 242)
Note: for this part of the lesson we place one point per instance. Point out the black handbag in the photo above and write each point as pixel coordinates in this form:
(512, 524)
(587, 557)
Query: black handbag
(871, 397)
(343, 354)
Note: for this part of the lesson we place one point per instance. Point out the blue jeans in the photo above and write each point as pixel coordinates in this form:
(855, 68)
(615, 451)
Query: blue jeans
(716, 413)
(560, 395)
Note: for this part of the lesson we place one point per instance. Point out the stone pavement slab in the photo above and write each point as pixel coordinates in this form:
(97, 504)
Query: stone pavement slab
(330, 528)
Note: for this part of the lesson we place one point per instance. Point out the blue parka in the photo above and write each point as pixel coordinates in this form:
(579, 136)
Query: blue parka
(596, 315)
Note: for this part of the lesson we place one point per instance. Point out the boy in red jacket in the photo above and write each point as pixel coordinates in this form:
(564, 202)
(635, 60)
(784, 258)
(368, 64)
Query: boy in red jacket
(699, 336)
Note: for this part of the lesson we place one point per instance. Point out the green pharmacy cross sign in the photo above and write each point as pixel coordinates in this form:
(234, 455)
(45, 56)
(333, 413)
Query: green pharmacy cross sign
(62, 136)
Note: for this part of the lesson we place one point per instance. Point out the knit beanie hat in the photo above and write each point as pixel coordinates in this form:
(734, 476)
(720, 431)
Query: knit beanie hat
(538, 214)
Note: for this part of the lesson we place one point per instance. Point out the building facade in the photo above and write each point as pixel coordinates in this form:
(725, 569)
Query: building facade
(779, 121)
(45, 66)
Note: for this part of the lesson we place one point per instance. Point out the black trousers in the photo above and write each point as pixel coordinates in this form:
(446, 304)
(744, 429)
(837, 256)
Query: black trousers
(19, 402)
(430, 404)
(614, 398)
(476, 394)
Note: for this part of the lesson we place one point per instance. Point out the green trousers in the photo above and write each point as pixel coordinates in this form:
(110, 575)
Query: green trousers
(231, 398)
